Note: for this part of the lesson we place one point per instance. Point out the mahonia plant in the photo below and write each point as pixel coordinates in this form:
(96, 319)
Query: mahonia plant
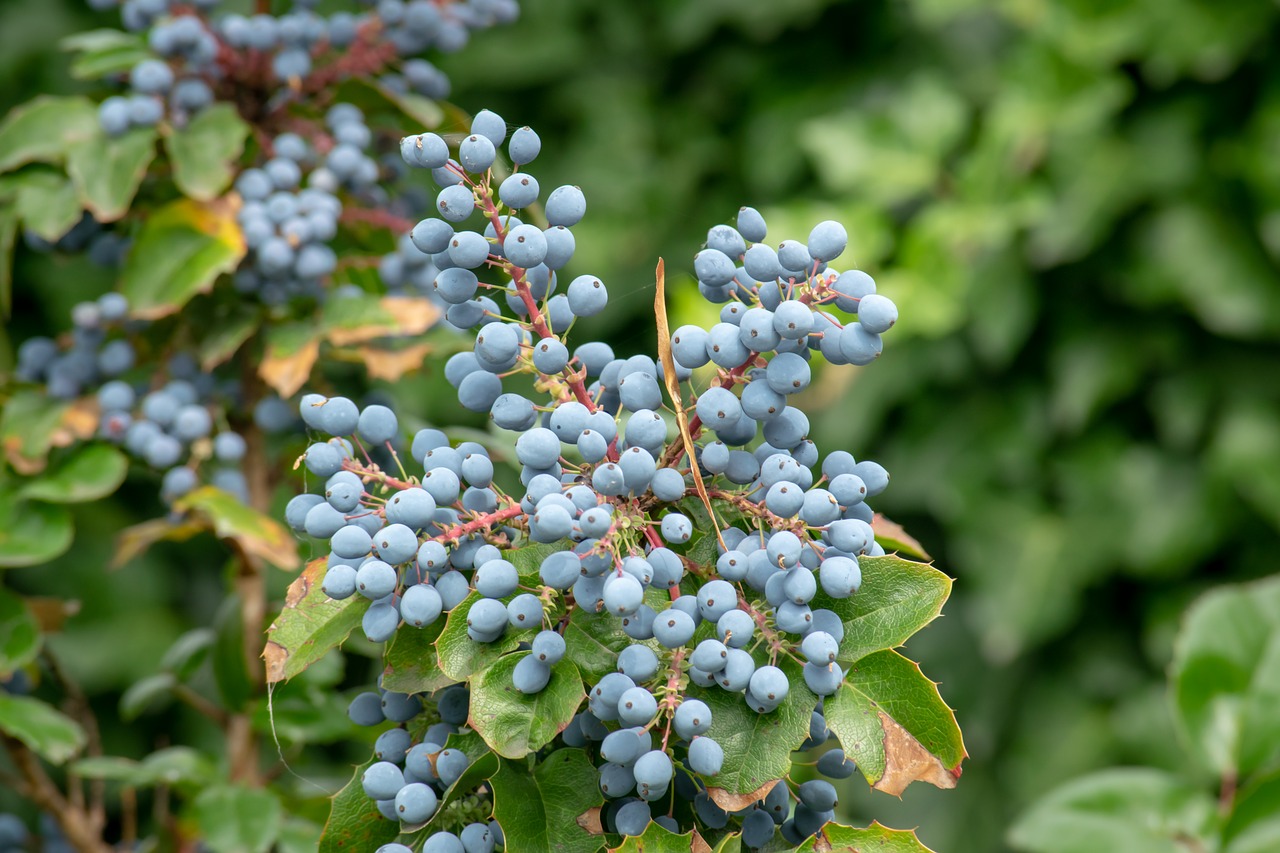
(642, 612)
(678, 595)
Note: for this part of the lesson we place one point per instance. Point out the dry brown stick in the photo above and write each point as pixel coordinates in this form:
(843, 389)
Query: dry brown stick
(37, 787)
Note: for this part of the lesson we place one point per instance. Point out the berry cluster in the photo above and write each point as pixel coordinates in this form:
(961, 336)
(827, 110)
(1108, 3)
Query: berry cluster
(169, 420)
(200, 52)
(610, 491)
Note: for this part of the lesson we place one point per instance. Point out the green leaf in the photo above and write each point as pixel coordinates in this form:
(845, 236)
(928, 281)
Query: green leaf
(31, 533)
(757, 747)
(657, 839)
(181, 251)
(310, 624)
(43, 129)
(835, 838)
(544, 805)
(256, 536)
(425, 113)
(234, 819)
(459, 655)
(187, 653)
(104, 53)
(1226, 677)
(46, 731)
(514, 724)
(354, 820)
(230, 669)
(411, 661)
(1137, 810)
(298, 836)
(891, 721)
(179, 766)
(148, 695)
(592, 642)
(226, 334)
(90, 472)
(27, 427)
(1254, 825)
(20, 637)
(108, 171)
(46, 201)
(528, 559)
(203, 153)
(897, 599)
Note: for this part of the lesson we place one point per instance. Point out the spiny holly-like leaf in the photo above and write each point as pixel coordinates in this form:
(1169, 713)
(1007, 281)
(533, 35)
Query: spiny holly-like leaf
(891, 721)
(1226, 677)
(834, 838)
(46, 201)
(89, 473)
(593, 641)
(354, 822)
(176, 766)
(43, 129)
(310, 624)
(897, 599)
(894, 537)
(235, 819)
(291, 352)
(108, 171)
(543, 806)
(20, 637)
(46, 731)
(181, 250)
(203, 153)
(411, 661)
(258, 536)
(459, 655)
(656, 839)
(757, 747)
(514, 724)
(31, 532)
(1137, 810)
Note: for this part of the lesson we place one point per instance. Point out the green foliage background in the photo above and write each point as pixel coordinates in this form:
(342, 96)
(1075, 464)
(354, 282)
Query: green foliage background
(1076, 205)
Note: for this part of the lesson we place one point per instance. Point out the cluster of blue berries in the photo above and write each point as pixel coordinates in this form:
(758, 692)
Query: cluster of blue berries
(197, 50)
(607, 482)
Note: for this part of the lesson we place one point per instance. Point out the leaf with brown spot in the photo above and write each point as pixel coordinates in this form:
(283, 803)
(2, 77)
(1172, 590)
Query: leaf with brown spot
(360, 319)
(657, 839)
(731, 802)
(835, 838)
(893, 724)
(291, 352)
(894, 537)
(135, 540)
(257, 536)
(27, 426)
(309, 625)
(590, 821)
(391, 364)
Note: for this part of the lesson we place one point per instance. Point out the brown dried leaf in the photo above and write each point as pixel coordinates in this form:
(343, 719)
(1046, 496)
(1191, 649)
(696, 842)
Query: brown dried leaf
(286, 372)
(51, 613)
(699, 844)
(907, 761)
(392, 364)
(673, 390)
(732, 802)
(590, 821)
